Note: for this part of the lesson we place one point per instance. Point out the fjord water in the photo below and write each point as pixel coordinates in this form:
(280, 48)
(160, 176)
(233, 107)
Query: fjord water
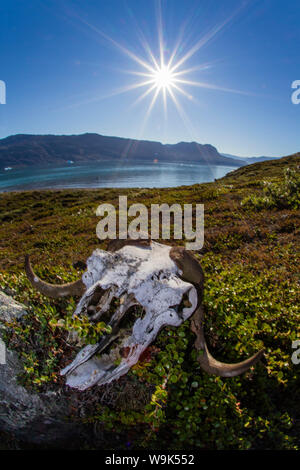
(110, 175)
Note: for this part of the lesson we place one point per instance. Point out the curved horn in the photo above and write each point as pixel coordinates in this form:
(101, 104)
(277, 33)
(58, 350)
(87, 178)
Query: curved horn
(53, 290)
(211, 365)
(190, 267)
(192, 272)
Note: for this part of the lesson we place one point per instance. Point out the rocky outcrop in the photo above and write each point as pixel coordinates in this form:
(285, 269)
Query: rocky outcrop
(35, 418)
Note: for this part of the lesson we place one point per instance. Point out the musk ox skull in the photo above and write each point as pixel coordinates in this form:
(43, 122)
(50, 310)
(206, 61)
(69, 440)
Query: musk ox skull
(166, 282)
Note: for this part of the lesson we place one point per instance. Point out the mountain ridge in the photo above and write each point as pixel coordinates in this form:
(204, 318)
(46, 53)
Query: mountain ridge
(249, 160)
(23, 150)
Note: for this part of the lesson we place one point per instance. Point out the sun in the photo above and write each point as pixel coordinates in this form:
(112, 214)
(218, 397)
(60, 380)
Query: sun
(164, 78)
(164, 73)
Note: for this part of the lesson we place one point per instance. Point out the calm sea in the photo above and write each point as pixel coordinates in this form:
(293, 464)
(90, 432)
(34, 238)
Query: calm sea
(108, 175)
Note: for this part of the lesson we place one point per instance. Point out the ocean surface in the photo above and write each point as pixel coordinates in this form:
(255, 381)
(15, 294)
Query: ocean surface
(108, 175)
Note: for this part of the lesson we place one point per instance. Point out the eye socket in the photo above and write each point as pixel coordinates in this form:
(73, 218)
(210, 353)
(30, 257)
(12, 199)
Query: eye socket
(97, 294)
(132, 314)
(91, 309)
(185, 303)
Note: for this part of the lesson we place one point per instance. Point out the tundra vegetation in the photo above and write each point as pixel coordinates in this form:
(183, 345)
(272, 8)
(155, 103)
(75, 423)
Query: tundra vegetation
(251, 266)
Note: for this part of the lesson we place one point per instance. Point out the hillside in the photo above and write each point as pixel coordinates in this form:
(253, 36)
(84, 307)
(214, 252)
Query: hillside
(248, 160)
(250, 260)
(266, 169)
(27, 150)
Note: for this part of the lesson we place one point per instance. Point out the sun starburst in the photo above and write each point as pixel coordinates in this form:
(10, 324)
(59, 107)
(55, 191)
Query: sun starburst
(166, 78)
(162, 79)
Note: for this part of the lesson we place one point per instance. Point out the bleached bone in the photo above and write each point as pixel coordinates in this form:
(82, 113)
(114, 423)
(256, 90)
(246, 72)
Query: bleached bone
(148, 275)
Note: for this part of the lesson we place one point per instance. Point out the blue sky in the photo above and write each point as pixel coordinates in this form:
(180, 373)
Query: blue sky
(63, 67)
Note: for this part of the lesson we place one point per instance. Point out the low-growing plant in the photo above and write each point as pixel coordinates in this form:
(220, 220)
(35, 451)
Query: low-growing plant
(283, 195)
(86, 330)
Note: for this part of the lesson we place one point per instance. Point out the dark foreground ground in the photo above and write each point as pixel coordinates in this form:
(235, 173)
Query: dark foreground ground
(251, 263)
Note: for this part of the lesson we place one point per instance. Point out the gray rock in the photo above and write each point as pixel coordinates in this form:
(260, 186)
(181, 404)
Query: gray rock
(36, 418)
(10, 309)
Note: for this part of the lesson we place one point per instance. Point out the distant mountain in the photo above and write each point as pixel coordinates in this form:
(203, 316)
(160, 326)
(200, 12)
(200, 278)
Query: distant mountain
(248, 160)
(26, 150)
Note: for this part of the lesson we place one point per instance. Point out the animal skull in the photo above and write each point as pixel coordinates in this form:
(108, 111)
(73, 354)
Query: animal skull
(167, 282)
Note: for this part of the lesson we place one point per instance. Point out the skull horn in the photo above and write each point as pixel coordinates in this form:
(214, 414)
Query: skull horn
(211, 365)
(76, 288)
(192, 272)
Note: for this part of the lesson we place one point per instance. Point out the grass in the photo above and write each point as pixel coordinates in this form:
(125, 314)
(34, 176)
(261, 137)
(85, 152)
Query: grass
(251, 263)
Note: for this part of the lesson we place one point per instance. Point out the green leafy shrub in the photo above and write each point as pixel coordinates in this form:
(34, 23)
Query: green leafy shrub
(85, 329)
(283, 195)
